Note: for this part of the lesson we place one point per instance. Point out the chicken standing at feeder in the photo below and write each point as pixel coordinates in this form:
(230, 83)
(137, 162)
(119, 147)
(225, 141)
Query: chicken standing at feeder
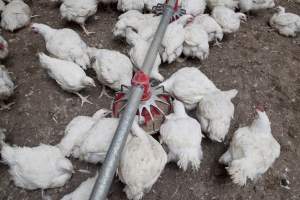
(16, 15)
(113, 68)
(97, 140)
(207, 23)
(182, 134)
(68, 75)
(215, 111)
(228, 19)
(144, 24)
(39, 167)
(195, 42)
(287, 24)
(142, 161)
(64, 43)
(139, 51)
(76, 132)
(6, 88)
(252, 150)
(172, 43)
(189, 85)
(79, 11)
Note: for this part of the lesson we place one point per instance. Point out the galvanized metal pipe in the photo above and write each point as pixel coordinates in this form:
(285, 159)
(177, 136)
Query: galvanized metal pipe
(109, 167)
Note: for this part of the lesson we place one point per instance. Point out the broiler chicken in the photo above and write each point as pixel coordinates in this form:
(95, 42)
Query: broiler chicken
(76, 132)
(98, 139)
(182, 134)
(172, 43)
(215, 111)
(79, 11)
(125, 5)
(252, 150)
(213, 29)
(139, 51)
(232, 4)
(195, 42)
(113, 69)
(249, 5)
(144, 24)
(193, 7)
(16, 15)
(189, 85)
(39, 167)
(142, 161)
(6, 88)
(228, 19)
(68, 75)
(3, 48)
(72, 49)
(287, 24)
(83, 191)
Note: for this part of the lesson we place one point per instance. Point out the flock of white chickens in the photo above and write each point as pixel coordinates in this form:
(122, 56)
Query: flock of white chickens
(252, 150)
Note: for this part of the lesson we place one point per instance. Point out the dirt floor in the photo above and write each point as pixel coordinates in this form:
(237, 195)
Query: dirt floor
(261, 64)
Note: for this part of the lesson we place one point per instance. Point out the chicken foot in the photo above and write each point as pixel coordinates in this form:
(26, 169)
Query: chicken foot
(84, 99)
(4, 106)
(104, 92)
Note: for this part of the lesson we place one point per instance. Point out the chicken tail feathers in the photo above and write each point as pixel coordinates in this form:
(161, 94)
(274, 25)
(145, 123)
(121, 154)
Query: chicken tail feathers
(192, 158)
(239, 171)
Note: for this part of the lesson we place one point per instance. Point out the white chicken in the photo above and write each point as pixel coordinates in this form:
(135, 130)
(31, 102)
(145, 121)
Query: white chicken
(113, 68)
(172, 43)
(252, 150)
(6, 88)
(76, 132)
(228, 19)
(193, 7)
(213, 29)
(287, 24)
(249, 5)
(182, 134)
(79, 11)
(138, 52)
(144, 24)
(232, 4)
(215, 111)
(38, 167)
(195, 42)
(83, 191)
(68, 75)
(142, 161)
(125, 5)
(189, 85)
(3, 48)
(16, 15)
(98, 139)
(71, 49)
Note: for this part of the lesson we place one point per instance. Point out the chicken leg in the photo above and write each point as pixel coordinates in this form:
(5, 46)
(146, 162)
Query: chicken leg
(85, 30)
(103, 92)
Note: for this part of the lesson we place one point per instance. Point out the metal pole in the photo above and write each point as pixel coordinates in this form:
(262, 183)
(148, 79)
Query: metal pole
(109, 167)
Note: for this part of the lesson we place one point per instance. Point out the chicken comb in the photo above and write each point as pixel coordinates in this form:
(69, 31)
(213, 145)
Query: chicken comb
(260, 107)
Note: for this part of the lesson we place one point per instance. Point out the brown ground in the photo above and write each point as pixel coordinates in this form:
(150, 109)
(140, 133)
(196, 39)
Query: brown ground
(261, 64)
